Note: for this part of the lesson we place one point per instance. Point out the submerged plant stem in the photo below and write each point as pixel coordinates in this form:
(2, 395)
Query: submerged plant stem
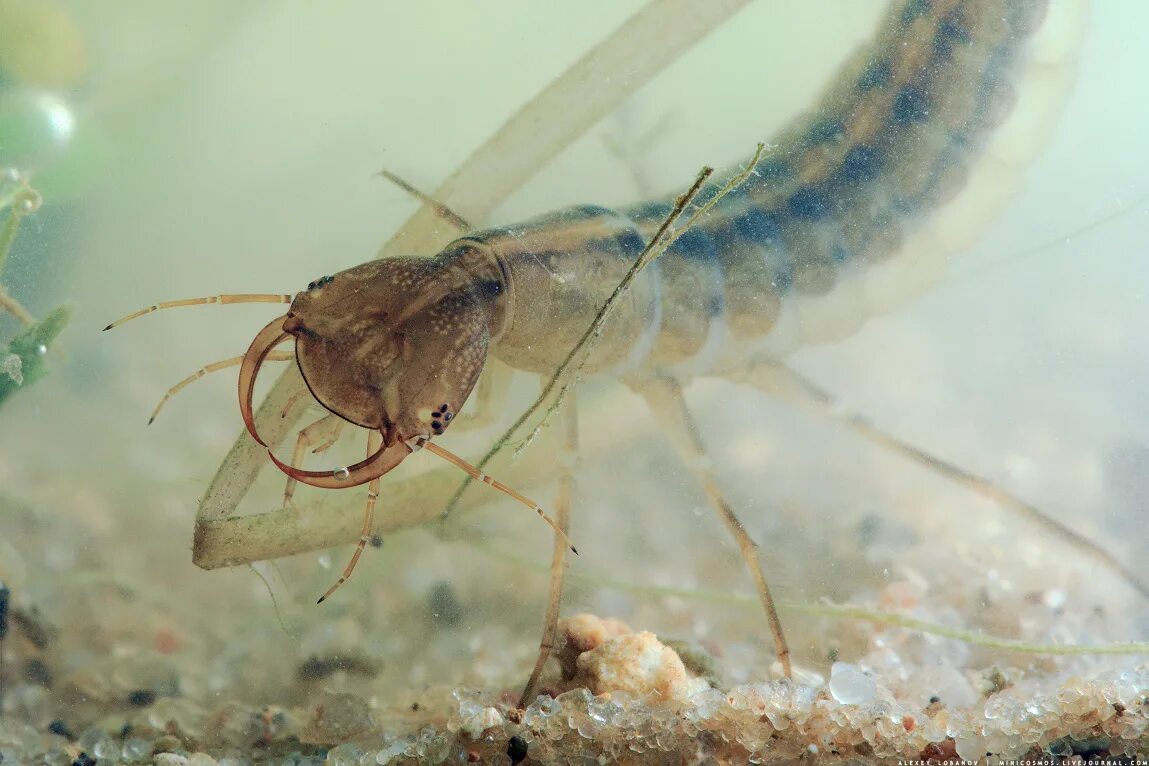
(833, 611)
(15, 308)
(578, 98)
(20, 202)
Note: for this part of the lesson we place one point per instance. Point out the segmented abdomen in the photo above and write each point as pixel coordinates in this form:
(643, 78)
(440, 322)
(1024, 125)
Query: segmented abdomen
(836, 225)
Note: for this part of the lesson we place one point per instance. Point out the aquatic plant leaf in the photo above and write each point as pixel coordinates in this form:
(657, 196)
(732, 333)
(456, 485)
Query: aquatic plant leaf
(30, 346)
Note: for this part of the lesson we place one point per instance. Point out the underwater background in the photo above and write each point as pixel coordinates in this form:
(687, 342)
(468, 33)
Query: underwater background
(185, 150)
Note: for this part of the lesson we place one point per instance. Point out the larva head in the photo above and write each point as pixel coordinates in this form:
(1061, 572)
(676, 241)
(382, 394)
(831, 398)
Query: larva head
(394, 345)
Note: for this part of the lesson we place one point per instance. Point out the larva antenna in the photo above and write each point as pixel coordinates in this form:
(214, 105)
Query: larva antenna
(233, 298)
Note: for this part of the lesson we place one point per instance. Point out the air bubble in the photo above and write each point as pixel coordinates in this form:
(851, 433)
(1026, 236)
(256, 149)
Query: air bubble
(41, 349)
(342, 474)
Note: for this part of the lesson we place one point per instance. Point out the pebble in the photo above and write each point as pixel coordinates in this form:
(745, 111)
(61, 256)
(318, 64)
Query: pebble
(478, 723)
(344, 755)
(170, 759)
(136, 750)
(638, 664)
(970, 747)
(850, 685)
(106, 749)
(336, 718)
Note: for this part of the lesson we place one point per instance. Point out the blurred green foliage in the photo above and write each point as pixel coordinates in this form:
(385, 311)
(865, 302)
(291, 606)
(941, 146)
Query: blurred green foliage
(23, 359)
(43, 64)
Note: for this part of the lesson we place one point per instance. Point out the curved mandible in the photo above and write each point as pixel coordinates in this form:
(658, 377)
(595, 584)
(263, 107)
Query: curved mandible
(384, 459)
(267, 339)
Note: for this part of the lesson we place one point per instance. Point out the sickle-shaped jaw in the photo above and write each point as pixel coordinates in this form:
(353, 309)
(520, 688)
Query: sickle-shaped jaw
(267, 339)
(384, 459)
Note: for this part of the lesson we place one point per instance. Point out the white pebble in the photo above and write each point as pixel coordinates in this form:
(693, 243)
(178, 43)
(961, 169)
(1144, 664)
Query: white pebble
(136, 749)
(970, 747)
(478, 723)
(343, 755)
(169, 759)
(201, 759)
(851, 686)
(802, 676)
(106, 748)
(391, 752)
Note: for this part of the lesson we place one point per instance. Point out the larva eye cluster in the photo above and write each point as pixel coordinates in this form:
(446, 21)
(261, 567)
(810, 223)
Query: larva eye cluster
(320, 282)
(439, 418)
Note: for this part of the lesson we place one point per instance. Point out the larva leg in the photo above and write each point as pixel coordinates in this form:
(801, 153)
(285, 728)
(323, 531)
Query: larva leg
(664, 396)
(294, 399)
(322, 433)
(779, 380)
(559, 556)
(374, 442)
